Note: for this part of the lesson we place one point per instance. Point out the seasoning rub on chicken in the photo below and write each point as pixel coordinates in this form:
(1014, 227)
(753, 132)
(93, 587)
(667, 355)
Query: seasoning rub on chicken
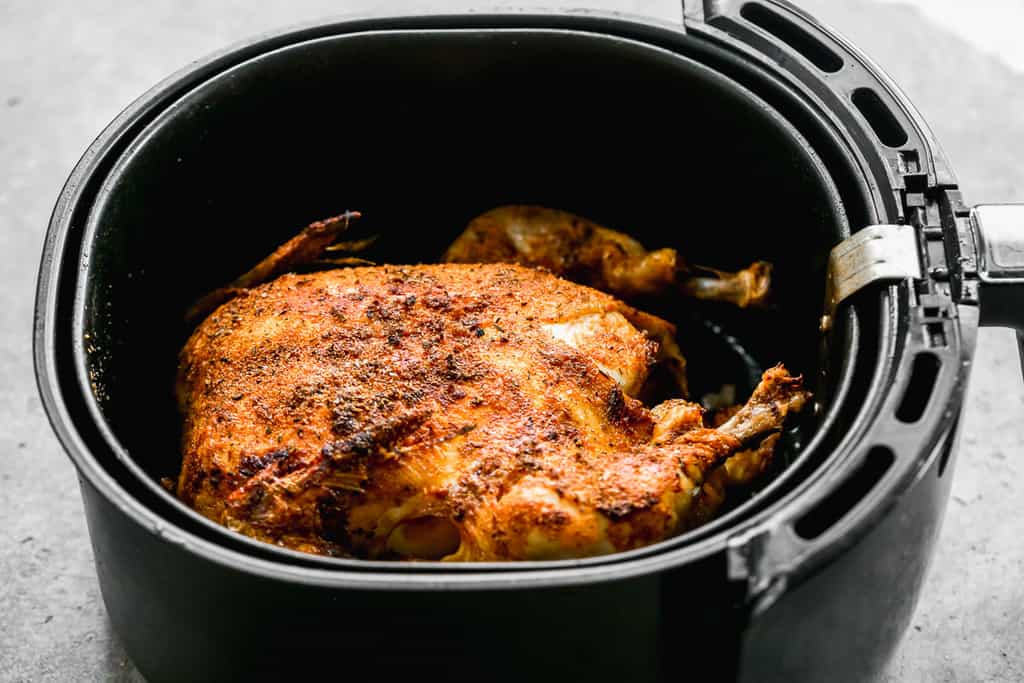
(450, 411)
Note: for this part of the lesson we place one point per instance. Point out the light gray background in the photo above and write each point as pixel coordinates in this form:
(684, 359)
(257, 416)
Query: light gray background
(67, 68)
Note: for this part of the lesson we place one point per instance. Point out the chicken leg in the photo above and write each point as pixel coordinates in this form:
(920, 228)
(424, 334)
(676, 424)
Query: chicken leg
(675, 482)
(585, 252)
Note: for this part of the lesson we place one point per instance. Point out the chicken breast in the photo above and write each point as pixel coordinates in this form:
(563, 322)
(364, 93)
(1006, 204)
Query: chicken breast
(451, 411)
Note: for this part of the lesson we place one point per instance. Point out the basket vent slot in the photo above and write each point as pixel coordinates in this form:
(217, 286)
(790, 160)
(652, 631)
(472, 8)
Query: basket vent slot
(919, 389)
(809, 47)
(833, 508)
(879, 117)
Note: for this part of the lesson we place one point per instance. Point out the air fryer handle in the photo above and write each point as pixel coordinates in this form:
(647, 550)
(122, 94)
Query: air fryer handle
(999, 237)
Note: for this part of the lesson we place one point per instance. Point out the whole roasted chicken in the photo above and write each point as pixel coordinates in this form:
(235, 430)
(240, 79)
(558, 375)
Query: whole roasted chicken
(456, 411)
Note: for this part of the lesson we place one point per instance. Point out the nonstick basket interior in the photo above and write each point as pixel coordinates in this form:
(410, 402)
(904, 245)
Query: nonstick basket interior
(421, 131)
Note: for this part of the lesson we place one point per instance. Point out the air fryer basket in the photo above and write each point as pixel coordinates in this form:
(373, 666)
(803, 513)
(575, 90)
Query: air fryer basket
(713, 137)
(230, 170)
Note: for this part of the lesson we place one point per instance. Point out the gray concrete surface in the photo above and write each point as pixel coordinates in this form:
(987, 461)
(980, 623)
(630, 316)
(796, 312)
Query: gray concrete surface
(66, 68)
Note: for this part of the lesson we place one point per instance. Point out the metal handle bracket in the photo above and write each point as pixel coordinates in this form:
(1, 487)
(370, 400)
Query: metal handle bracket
(878, 253)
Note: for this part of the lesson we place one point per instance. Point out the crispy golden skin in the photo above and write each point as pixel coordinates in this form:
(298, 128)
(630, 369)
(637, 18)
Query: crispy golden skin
(463, 412)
